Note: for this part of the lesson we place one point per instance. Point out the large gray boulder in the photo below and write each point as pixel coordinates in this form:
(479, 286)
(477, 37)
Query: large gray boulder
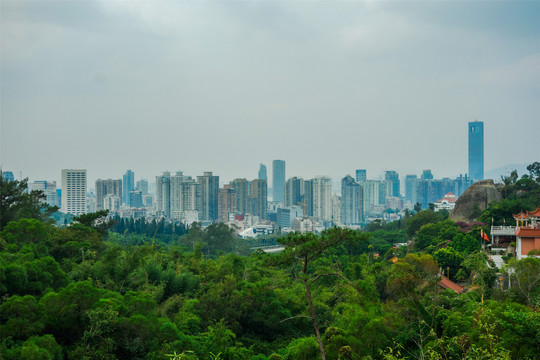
(481, 193)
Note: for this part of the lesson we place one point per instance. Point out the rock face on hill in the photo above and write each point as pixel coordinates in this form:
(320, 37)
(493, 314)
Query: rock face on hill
(480, 193)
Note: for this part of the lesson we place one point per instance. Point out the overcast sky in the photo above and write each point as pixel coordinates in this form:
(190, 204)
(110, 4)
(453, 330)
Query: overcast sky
(222, 86)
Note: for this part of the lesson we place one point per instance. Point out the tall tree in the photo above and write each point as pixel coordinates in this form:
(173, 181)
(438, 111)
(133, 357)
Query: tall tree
(17, 203)
(302, 251)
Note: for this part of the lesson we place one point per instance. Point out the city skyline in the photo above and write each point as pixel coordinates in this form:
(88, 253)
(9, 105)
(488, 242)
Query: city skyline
(328, 87)
(224, 181)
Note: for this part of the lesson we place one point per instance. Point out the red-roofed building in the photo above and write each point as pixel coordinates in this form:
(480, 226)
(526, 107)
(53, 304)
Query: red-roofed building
(448, 202)
(527, 233)
(446, 283)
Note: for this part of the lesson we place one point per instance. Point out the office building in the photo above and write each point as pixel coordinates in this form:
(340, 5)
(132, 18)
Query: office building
(322, 198)
(361, 175)
(351, 201)
(262, 172)
(476, 150)
(142, 185)
(287, 215)
(393, 177)
(106, 187)
(278, 180)
(461, 184)
(257, 201)
(8, 175)
(48, 189)
(209, 195)
(426, 175)
(74, 191)
(136, 199)
(163, 194)
(128, 185)
(411, 187)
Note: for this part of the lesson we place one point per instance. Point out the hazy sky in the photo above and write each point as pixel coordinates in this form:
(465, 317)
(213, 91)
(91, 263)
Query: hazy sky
(222, 86)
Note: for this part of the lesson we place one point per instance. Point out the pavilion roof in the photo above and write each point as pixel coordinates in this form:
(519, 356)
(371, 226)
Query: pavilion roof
(535, 213)
(520, 216)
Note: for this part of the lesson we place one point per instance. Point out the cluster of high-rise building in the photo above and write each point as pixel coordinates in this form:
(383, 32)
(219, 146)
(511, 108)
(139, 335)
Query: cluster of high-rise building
(295, 203)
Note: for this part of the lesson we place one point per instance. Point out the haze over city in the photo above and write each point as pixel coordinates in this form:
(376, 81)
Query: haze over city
(223, 86)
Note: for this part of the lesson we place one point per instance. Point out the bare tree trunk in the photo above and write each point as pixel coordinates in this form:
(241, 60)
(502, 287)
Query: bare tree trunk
(314, 317)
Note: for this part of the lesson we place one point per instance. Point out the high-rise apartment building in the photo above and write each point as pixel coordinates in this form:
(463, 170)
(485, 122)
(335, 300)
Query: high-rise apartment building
(361, 175)
(258, 198)
(128, 185)
(476, 150)
(374, 195)
(106, 187)
(191, 198)
(393, 177)
(241, 187)
(351, 201)
(111, 202)
(176, 193)
(163, 194)
(74, 191)
(293, 191)
(209, 195)
(262, 172)
(307, 199)
(322, 198)
(226, 203)
(278, 180)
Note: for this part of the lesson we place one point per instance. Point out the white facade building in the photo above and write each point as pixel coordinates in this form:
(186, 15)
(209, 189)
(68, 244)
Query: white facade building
(74, 191)
(322, 198)
(448, 202)
(112, 202)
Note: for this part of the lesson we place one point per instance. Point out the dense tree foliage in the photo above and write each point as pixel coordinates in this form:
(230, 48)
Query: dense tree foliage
(17, 203)
(81, 292)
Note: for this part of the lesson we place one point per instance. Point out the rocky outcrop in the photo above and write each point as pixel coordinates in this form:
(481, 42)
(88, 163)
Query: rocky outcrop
(481, 194)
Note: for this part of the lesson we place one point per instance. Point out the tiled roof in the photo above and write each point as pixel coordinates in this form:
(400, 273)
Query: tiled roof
(527, 232)
(449, 284)
(521, 215)
(535, 213)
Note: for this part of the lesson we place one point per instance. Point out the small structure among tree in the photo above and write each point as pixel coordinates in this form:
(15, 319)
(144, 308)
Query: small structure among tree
(527, 233)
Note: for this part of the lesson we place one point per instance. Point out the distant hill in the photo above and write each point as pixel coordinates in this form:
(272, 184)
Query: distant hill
(505, 170)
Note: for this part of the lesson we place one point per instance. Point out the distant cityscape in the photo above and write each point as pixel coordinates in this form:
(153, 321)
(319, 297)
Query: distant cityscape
(292, 204)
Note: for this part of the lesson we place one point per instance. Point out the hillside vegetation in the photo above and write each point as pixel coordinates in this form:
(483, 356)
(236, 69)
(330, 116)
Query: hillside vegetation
(84, 292)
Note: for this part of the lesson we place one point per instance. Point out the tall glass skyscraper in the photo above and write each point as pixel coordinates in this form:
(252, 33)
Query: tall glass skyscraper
(361, 175)
(393, 177)
(476, 150)
(262, 172)
(278, 180)
(128, 185)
